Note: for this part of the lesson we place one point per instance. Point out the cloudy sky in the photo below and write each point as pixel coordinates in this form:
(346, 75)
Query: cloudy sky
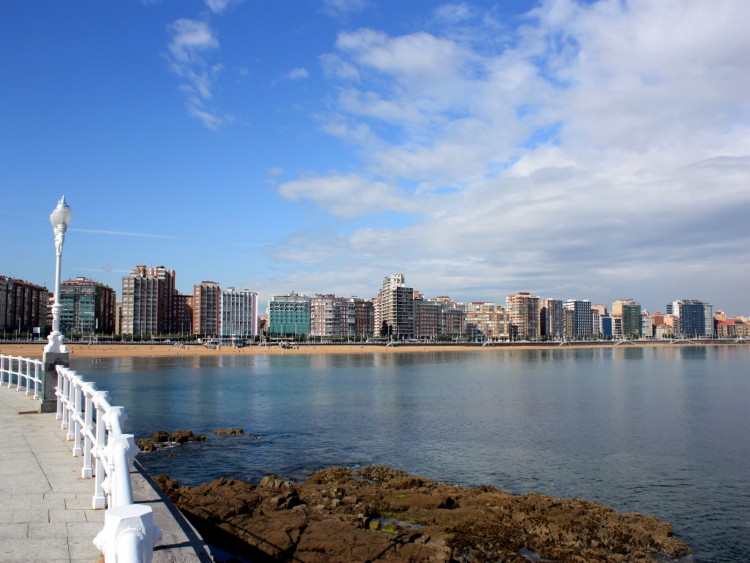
(590, 150)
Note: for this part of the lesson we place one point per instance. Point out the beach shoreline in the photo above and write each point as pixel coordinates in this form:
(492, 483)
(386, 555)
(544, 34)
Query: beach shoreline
(134, 350)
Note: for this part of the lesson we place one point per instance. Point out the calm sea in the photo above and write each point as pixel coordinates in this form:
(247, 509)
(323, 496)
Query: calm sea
(662, 431)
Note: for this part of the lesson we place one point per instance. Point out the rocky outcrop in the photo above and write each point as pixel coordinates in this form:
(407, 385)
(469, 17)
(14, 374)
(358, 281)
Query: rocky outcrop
(381, 514)
(160, 439)
(229, 431)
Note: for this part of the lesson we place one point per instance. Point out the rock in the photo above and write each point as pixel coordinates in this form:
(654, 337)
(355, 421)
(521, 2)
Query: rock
(160, 439)
(382, 514)
(229, 431)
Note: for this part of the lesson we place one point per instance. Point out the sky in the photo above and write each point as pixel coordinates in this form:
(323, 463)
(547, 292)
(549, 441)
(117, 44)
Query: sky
(576, 150)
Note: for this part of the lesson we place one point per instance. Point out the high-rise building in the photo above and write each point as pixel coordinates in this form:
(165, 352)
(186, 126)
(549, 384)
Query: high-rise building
(582, 319)
(23, 307)
(148, 301)
(239, 313)
(630, 312)
(395, 308)
(551, 320)
(690, 317)
(88, 307)
(426, 319)
(185, 309)
(522, 315)
(485, 320)
(207, 309)
(289, 315)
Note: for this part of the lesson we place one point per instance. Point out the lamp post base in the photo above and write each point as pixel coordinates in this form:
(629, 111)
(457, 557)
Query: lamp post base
(51, 361)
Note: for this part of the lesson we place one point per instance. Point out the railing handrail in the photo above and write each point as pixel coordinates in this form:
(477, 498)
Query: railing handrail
(95, 427)
(27, 369)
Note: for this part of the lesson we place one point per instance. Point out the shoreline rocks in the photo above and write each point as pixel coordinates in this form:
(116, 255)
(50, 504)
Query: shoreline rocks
(382, 514)
(161, 439)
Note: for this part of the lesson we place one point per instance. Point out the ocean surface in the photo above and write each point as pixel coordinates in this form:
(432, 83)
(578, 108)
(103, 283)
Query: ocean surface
(662, 431)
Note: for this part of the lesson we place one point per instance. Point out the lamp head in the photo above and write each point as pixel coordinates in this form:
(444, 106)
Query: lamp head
(61, 214)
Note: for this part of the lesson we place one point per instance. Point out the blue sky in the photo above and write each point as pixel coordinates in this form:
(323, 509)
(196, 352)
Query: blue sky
(590, 150)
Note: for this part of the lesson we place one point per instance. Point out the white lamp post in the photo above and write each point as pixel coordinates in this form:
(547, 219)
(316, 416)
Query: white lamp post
(55, 352)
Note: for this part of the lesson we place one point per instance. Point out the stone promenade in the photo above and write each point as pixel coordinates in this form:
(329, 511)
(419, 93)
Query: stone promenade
(45, 505)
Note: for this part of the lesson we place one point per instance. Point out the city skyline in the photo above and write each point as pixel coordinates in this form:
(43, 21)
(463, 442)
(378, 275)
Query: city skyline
(585, 150)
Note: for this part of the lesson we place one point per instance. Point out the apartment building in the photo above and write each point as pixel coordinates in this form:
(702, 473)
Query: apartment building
(629, 313)
(88, 307)
(551, 319)
(289, 315)
(148, 301)
(207, 309)
(23, 307)
(485, 320)
(522, 315)
(582, 320)
(239, 313)
(395, 309)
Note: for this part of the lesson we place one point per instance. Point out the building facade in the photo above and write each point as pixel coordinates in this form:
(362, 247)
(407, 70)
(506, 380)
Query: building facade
(23, 307)
(207, 309)
(148, 301)
(630, 312)
(88, 307)
(395, 309)
(551, 319)
(582, 320)
(522, 311)
(239, 313)
(289, 316)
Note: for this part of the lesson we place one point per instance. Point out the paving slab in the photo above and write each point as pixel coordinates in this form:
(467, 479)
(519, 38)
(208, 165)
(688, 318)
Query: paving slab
(45, 504)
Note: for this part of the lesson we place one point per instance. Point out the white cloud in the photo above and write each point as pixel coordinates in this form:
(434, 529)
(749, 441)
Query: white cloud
(297, 74)
(191, 42)
(219, 6)
(190, 39)
(347, 196)
(599, 145)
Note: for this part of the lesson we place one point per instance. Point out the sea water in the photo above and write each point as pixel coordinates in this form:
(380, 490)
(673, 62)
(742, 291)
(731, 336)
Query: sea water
(663, 431)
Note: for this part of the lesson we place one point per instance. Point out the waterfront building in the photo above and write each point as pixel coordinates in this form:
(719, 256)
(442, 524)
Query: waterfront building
(88, 307)
(708, 316)
(605, 326)
(452, 317)
(395, 308)
(364, 316)
(289, 316)
(184, 306)
(733, 328)
(324, 320)
(485, 320)
(23, 308)
(551, 319)
(426, 319)
(582, 319)
(239, 313)
(148, 301)
(522, 315)
(207, 309)
(629, 311)
(647, 326)
(690, 317)
(602, 309)
(595, 322)
(118, 317)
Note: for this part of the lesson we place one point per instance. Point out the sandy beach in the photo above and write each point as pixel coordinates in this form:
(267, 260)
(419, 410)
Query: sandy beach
(161, 350)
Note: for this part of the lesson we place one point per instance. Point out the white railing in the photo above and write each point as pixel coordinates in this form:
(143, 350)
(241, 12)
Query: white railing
(95, 428)
(24, 373)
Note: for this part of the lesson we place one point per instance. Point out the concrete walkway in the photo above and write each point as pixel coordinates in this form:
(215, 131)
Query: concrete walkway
(45, 505)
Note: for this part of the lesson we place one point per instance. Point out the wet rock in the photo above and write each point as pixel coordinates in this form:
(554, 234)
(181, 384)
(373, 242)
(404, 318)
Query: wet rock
(382, 514)
(160, 439)
(229, 431)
